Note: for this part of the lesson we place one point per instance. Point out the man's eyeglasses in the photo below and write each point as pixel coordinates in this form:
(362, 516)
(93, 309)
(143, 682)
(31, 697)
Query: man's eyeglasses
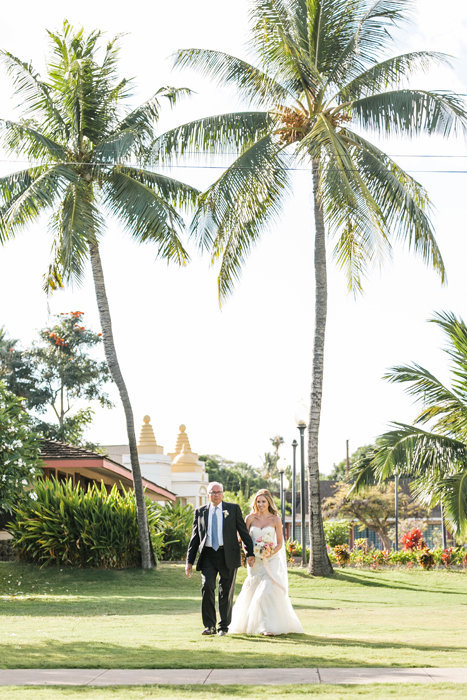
(215, 492)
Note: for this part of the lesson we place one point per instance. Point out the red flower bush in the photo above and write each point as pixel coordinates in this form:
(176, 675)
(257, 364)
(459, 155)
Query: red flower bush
(413, 539)
(446, 556)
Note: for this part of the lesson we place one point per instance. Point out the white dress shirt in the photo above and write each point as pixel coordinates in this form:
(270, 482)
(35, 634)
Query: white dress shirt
(220, 516)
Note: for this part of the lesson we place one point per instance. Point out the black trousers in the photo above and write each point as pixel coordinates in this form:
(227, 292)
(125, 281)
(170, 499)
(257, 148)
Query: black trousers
(212, 565)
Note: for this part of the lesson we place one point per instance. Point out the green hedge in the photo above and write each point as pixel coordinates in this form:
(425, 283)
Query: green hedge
(174, 523)
(336, 532)
(64, 524)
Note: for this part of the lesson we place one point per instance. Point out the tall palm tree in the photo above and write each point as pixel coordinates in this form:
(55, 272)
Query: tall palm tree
(435, 458)
(79, 137)
(320, 80)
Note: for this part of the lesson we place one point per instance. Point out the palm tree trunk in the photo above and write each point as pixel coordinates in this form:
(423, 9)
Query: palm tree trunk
(147, 555)
(319, 560)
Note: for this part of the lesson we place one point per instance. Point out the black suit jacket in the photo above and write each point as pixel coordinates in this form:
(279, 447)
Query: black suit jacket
(232, 522)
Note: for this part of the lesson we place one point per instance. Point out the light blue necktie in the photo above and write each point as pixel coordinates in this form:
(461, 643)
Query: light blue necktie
(214, 533)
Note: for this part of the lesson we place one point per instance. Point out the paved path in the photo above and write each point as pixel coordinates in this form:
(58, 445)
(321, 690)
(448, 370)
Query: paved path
(242, 676)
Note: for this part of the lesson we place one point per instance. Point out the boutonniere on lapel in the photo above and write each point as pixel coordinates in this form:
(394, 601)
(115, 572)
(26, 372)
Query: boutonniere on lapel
(226, 513)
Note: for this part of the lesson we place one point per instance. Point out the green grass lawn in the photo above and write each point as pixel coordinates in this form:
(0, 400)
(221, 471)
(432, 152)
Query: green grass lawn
(134, 619)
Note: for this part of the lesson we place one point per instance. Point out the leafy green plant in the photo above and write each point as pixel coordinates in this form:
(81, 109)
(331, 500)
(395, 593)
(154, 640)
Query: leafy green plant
(174, 523)
(425, 559)
(19, 452)
(64, 524)
(336, 532)
(342, 554)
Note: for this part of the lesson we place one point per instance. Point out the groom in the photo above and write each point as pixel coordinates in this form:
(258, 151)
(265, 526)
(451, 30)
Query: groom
(214, 535)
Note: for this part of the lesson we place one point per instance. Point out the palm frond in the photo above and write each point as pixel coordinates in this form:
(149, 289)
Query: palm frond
(452, 492)
(218, 134)
(236, 208)
(134, 133)
(35, 95)
(456, 332)
(416, 453)
(448, 407)
(75, 223)
(403, 201)
(389, 74)
(178, 194)
(144, 213)
(27, 193)
(281, 40)
(366, 34)
(252, 83)
(24, 139)
(412, 112)
(351, 211)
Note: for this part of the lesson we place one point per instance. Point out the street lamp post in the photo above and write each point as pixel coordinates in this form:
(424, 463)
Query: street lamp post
(396, 511)
(294, 489)
(301, 427)
(281, 466)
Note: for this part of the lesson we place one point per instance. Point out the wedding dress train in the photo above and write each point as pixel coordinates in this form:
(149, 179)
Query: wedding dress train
(263, 605)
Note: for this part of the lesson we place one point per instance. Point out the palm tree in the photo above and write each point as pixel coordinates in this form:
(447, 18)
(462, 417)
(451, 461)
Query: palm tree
(80, 137)
(319, 80)
(436, 459)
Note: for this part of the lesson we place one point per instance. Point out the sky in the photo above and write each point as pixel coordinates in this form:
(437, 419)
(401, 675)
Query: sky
(238, 375)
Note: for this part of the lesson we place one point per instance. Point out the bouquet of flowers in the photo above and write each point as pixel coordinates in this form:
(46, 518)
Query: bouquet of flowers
(264, 546)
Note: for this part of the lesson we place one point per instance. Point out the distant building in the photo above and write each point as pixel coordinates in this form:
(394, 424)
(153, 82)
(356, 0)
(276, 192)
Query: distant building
(179, 471)
(327, 487)
(85, 467)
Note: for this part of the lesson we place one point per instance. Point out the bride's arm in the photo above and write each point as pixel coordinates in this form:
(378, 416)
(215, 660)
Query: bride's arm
(279, 535)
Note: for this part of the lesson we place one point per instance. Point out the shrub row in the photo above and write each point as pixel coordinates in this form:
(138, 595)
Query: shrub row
(362, 556)
(65, 524)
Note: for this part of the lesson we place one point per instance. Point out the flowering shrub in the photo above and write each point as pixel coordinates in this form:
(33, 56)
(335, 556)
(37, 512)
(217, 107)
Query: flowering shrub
(381, 557)
(446, 556)
(19, 452)
(342, 554)
(294, 549)
(291, 547)
(413, 539)
(361, 543)
(425, 559)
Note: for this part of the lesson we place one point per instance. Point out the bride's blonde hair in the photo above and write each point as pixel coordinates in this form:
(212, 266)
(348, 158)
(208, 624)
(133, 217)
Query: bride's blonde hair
(267, 495)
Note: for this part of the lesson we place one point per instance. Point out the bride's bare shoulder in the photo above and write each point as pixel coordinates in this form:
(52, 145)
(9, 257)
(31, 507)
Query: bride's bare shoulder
(249, 518)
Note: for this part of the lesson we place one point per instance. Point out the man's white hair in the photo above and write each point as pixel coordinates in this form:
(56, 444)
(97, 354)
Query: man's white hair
(214, 483)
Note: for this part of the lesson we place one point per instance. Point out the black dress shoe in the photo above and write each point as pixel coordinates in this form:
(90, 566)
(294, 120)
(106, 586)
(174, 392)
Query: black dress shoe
(222, 633)
(209, 630)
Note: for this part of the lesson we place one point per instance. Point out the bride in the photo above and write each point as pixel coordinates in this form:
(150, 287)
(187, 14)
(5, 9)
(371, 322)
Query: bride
(263, 606)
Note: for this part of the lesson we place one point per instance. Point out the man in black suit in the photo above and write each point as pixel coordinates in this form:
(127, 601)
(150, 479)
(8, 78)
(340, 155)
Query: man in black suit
(214, 536)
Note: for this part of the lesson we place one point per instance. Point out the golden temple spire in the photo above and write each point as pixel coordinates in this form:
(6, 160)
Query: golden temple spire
(147, 440)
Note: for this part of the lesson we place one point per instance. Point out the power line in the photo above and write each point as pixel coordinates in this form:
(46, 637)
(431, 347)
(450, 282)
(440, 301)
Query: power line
(231, 166)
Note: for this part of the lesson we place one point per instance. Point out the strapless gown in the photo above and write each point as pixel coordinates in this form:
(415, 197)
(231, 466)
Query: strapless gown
(263, 605)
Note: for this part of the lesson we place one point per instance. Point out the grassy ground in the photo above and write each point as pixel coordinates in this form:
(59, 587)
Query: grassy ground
(55, 618)
(417, 691)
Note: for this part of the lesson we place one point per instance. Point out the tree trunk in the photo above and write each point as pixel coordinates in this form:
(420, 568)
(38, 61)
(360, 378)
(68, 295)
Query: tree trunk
(319, 560)
(384, 537)
(147, 555)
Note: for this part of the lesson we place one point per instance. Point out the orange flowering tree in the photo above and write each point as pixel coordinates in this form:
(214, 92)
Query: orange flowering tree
(58, 376)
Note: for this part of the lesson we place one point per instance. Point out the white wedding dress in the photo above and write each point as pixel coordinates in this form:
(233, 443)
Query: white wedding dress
(263, 606)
